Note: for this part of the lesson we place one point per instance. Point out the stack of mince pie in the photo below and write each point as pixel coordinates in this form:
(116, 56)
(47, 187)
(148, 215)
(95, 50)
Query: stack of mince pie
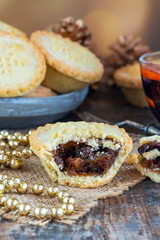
(57, 63)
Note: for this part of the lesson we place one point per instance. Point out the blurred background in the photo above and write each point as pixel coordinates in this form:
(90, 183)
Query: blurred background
(106, 19)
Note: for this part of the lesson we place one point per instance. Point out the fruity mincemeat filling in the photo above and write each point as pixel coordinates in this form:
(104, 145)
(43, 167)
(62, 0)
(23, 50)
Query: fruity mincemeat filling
(153, 164)
(81, 159)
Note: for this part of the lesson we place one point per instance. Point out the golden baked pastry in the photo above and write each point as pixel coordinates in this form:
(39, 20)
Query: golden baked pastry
(40, 91)
(132, 159)
(149, 157)
(22, 65)
(81, 154)
(129, 79)
(4, 27)
(60, 82)
(68, 58)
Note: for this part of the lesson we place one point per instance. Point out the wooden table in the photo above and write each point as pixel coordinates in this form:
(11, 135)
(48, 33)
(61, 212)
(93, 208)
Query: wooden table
(133, 215)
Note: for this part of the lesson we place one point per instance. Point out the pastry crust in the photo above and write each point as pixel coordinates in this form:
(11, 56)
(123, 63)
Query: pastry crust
(60, 82)
(22, 65)
(68, 57)
(4, 27)
(129, 76)
(150, 155)
(154, 176)
(40, 91)
(45, 139)
(132, 159)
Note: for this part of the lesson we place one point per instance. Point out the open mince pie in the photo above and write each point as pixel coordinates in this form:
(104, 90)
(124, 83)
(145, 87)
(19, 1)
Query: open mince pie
(79, 153)
(149, 157)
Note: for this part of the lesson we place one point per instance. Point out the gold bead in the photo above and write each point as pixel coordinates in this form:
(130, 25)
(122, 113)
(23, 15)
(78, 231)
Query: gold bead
(27, 135)
(2, 151)
(8, 184)
(27, 153)
(13, 144)
(19, 138)
(72, 200)
(3, 158)
(2, 188)
(40, 212)
(11, 137)
(69, 200)
(52, 191)
(65, 199)
(62, 194)
(17, 154)
(68, 208)
(7, 163)
(1, 136)
(4, 134)
(3, 176)
(3, 200)
(2, 144)
(23, 187)
(23, 139)
(17, 181)
(24, 209)
(16, 163)
(16, 134)
(29, 132)
(38, 188)
(9, 153)
(57, 212)
(12, 203)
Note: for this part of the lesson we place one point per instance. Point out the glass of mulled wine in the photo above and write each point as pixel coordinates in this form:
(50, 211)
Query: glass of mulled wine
(150, 73)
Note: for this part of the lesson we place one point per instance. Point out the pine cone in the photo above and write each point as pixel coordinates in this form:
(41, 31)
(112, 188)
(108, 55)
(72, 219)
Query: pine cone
(76, 30)
(126, 50)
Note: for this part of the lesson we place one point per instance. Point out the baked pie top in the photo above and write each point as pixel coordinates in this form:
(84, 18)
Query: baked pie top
(4, 27)
(129, 76)
(61, 133)
(80, 153)
(68, 57)
(22, 66)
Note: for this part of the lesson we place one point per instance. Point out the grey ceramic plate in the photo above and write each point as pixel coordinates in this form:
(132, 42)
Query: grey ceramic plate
(29, 112)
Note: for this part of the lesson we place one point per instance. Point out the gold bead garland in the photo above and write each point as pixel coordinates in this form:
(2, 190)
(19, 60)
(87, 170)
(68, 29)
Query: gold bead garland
(9, 156)
(14, 182)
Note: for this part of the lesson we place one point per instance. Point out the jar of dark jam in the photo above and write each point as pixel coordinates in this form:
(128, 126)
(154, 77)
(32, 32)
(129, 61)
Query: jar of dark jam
(150, 73)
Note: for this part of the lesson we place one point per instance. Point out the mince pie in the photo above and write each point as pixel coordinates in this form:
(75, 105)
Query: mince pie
(149, 157)
(72, 66)
(22, 65)
(129, 79)
(81, 154)
(4, 27)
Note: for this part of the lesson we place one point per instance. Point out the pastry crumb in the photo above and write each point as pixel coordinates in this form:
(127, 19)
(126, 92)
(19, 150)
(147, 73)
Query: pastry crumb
(132, 159)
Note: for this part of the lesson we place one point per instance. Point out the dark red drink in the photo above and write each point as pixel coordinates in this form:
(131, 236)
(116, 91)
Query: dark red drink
(150, 72)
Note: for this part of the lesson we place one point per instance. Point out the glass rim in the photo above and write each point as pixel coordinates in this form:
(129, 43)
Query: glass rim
(141, 58)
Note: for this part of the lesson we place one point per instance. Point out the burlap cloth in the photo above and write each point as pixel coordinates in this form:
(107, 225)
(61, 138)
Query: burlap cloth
(33, 172)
